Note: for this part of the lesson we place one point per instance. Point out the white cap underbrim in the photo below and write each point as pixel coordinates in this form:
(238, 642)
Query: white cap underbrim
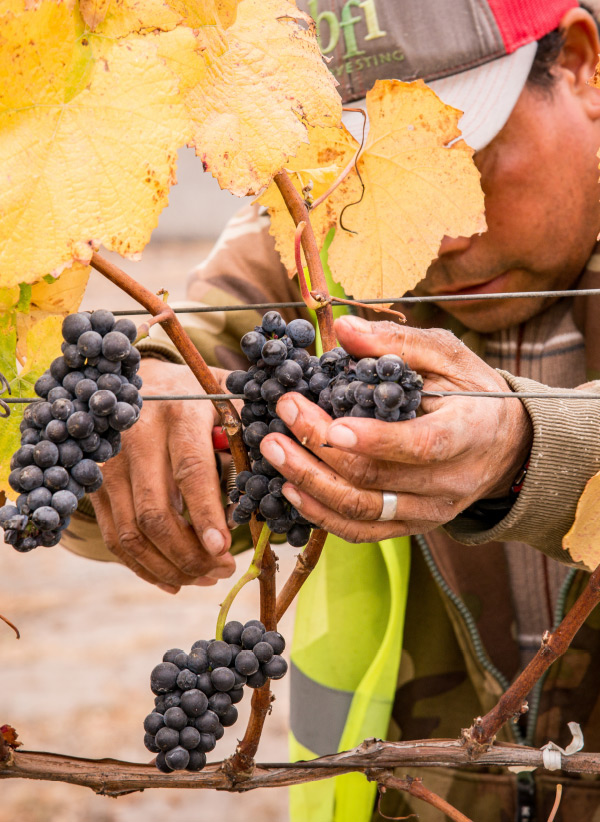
(486, 94)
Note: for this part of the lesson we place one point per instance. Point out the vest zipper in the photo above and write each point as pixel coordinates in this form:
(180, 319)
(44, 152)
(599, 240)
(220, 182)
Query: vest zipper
(478, 647)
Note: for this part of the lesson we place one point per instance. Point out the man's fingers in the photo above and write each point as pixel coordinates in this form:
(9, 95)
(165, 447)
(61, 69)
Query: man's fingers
(425, 350)
(195, 471)
(354, 530)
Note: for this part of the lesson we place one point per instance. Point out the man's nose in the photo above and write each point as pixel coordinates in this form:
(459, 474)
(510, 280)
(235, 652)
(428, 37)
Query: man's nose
(450, 245)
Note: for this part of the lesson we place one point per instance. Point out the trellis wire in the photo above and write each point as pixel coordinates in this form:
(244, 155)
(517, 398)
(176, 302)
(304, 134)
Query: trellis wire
(513, 295)
(519, 395)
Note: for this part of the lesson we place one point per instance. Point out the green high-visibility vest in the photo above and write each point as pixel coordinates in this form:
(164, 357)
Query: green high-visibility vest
(344, 660)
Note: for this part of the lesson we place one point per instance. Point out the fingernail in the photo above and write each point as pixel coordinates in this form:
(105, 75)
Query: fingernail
(342, 436)
(203, 582)
(287, 411)
(358, 323)
(273, 452)
(292, 495)
(213, 541)
(169, 589)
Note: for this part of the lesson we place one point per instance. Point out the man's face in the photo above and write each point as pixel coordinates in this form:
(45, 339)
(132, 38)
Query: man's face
(540, 180)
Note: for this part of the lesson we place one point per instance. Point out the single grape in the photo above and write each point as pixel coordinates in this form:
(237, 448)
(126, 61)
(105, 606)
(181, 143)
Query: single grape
(163, 677)
(239, 516)
(175, 718)
(130, 394)
(59, 368)
(208, 722)
(7, 512)
(229, 717)
(153, 723)
(257, 486)
(289, 373)
(86, 472)
(186, 680)
(39, 498)
(80, 424)
(275, 640)
(150, 743)
(252, 390)
(246, 663)
(56, 431)
(276, 668)
(115, 346)
(30, 436)
(72, 357)
(65, 502)
(75, 325)
(263, 651)
(236, 381)
(181, 660)
(89, 444)
(30, 477)
(255, 433)
(257, 680)
(84, 389)
(45, 454)
(207, 741)
(232, 632)
(389, 367)
(251, 635)
(45, 384)
(106, 366)
(42, 414)
(109, 382)
(223, 679)
(251, 344)
(388, 396)
(197, 761)
(172, 699)
(274, 352)
(56, 478)
(219, 653)
(272, 507)
(194, 702)
(127, 327)
(273, 323)
(178, 758)
(46, 518)
(76, 489)
(301, 332)
(69, 453)
(219, 702)
(62, 409)
(189, 737)
(387, 415)
(161, 763)
(58, 394)
(103, 452)
(123, 417)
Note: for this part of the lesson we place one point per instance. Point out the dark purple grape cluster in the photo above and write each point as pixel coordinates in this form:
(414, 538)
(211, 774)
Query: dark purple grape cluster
(196, 693)
(89, 395)
(383, 389)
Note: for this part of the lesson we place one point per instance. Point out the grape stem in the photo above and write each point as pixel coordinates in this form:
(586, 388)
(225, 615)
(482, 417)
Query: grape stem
(310, 301)
(252, 573)
(414, 786)
(14, 627)
(299, 213)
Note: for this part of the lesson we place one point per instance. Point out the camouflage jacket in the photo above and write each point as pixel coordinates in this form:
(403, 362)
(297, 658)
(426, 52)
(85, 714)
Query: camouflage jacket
(471, 614)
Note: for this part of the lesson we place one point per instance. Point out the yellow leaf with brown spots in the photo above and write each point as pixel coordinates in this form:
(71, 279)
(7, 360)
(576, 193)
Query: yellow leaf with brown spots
(118, 18)
(583, 539)
(89, 130)
(316, 166)
(30, 338)
(417, 188)
(251, 104)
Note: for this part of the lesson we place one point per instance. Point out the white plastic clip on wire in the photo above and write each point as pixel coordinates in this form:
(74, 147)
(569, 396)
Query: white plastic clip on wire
(552, 753)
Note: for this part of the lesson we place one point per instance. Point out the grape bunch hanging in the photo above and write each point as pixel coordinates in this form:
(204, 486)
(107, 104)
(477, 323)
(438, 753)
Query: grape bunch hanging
(196, 693)
(382, 389)
(89, 395)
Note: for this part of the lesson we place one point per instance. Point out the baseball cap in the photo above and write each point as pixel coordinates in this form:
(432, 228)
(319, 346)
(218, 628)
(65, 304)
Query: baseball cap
(475, 54)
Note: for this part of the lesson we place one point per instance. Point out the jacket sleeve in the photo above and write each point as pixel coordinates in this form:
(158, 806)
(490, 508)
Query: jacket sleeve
(564, 456)
(243, 268)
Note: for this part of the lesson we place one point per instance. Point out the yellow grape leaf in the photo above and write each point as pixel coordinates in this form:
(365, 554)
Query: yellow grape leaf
(30, 338)
(416, 190)
(583, 539)
(319, 164)
(89, 131)
(249, 105)
(118, 18)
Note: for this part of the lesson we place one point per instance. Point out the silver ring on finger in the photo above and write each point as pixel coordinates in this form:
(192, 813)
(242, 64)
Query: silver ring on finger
(389, 506)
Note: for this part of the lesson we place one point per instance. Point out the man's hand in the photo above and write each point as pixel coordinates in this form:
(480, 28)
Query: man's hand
(167, 461)
(462, 449)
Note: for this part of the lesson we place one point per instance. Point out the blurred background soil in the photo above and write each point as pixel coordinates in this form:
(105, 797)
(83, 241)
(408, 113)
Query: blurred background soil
(77, 682)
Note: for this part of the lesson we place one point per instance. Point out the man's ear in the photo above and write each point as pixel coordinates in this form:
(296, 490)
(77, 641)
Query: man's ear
(580, 54)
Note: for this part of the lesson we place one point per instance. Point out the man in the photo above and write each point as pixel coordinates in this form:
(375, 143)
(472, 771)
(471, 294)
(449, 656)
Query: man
(473, 617)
